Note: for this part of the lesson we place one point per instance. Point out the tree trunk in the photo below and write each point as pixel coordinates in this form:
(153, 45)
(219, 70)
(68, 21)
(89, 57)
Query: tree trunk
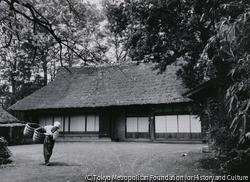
(45, 69)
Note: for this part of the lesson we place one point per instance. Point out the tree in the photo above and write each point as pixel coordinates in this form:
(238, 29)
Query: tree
(37, 36)
(154, 31)
(115, 34)
(228, 65)
(52, 13)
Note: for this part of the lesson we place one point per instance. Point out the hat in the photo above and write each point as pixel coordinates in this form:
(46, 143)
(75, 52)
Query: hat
(57, 123)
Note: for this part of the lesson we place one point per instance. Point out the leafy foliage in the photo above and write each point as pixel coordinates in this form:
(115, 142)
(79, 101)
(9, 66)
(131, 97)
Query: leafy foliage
(38, 36)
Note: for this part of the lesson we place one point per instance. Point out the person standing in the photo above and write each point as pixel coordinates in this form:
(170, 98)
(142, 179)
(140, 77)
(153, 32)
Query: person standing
(52, 132)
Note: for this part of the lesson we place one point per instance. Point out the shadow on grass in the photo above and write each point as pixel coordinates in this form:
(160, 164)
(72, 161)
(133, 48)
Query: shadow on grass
(217, 165)
(210, 162)
(60, 164)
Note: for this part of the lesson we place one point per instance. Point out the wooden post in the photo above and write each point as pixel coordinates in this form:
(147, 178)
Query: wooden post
(63, 125)
(112, 125)
(11, 134)
(152, 125)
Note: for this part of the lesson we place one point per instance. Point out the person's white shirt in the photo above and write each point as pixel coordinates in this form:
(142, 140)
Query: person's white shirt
(49, 132)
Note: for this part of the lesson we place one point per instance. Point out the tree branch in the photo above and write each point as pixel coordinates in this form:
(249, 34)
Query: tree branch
(42, 21)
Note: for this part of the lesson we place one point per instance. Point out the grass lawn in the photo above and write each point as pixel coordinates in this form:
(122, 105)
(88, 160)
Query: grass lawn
(74, 161)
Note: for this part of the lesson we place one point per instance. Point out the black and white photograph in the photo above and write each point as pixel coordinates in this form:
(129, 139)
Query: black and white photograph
(124, 90)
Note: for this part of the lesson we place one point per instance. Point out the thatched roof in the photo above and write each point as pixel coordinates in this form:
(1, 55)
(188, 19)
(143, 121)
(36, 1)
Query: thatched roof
(7, 118)
(12, 124)
(122, 85)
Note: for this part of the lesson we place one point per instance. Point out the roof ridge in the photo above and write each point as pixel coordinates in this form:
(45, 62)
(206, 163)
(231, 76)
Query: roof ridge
(110, 65)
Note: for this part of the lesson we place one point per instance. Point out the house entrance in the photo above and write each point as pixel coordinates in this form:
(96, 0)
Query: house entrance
(137, 127)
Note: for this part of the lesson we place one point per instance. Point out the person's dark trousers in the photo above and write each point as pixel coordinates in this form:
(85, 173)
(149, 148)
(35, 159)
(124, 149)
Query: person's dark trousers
(48, 147)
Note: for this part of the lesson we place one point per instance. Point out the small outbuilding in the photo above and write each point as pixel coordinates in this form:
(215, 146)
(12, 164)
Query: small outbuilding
(10, 127)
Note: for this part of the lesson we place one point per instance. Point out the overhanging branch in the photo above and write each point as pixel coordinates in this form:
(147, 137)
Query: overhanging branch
(39, 19)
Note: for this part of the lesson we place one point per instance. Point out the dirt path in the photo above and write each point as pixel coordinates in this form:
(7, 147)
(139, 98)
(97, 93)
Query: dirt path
(74, 161)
